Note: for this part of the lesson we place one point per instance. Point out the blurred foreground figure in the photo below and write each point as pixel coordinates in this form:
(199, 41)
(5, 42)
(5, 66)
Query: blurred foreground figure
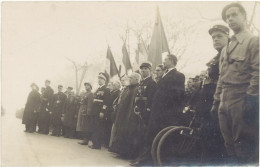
(57, 110)
(237, 93)
(45, 109)
(166, 107)
(85, 113)
(31, 109)
(126, 141)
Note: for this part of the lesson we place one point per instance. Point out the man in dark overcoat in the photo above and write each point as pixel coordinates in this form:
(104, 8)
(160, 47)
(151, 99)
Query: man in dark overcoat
(166, 107)
(31, 109)
(44, 115)
(57, 110)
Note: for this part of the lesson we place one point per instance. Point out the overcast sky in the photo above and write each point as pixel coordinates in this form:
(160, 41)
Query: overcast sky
(37, 36)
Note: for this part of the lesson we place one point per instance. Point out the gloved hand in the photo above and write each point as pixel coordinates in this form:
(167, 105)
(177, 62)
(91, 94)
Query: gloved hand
(251, 109)
(214, 110)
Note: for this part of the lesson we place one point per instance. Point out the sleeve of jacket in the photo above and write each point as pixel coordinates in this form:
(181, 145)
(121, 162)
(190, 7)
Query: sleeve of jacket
(219, 83)
(151, 92)
(253, 88)
(90, 99)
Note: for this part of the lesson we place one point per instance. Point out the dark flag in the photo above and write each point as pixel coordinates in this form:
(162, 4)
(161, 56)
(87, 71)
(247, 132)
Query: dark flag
(126, 59)
(158, 44)
(111, 68)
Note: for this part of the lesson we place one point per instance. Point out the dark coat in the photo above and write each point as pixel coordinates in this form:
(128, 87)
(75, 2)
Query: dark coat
(32, 104)
(146, 91)
(126, 125)
(58, 104)
(167, 103)
(45, 108)
(71, 109)
(85, 110)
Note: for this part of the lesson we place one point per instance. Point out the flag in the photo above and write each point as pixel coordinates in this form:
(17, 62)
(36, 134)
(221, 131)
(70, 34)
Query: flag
(126, 59)
(158, 44)
(141, 55)
(111, 68)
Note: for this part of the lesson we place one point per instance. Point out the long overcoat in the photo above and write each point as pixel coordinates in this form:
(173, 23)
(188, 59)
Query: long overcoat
(32, 104)
(126, 128)
(71, 109)
(58, 104)
(85, 108)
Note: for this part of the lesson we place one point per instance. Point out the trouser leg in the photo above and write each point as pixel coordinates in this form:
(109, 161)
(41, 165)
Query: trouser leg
(241, 138)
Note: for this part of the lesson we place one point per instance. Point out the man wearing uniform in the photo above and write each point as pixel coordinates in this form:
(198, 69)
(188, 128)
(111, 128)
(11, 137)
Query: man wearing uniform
(101, 99)
(57, 110)
(166, 107)
(215, 143)
(44, 119)
(146, 90)
(237, 94)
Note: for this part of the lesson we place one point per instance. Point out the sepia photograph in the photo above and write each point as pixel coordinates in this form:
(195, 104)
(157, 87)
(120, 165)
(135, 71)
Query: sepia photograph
(129, 83)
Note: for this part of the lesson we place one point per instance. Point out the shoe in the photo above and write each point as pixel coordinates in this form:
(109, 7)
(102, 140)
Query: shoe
(25, 130)
(96, 148)
(53, 134)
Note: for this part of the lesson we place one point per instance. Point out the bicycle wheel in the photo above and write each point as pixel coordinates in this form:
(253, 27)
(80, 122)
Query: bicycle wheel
(156, 142)
(177, 147)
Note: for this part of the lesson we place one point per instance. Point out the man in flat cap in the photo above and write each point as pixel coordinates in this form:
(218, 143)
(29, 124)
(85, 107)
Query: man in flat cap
(31, 108)
(237, 94)
(101, 100)
(44, 115)
(57, 110)
(215, 141)
(146, 90)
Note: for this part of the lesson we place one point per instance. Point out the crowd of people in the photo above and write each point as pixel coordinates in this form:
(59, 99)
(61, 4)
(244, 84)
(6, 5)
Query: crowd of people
(125, 116)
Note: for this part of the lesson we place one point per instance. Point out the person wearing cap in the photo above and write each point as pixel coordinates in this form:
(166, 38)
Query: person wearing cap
(237, 93)
(215, 141)
(84, 116)
(166, 106)
(57, 109)
(31, 108)
(44, 114)
(146, 90)
(101, 99)
(70, 114)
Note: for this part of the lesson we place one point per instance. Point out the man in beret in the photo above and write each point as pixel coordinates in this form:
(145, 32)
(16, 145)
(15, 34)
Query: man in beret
(44, 115)
(57, 110)
(101, 100)
(237, 94)
(31, 109)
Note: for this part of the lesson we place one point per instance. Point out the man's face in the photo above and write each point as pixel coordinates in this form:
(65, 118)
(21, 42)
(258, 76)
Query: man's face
(69, 91)
(87, 87)
(158, 72)
(110, 86)
(145, 72)
(60, 89)
(47, 84)
(167, 62)
(133, 80)
(234, 18)
(101, 81)
(219, 40)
